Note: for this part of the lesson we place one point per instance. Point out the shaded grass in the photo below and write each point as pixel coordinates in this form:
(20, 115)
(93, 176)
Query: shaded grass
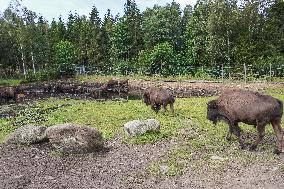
(9, 82)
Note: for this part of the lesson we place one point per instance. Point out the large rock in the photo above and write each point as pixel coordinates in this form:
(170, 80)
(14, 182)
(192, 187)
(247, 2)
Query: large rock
(70, 138)
(27, 135)
(139, 127)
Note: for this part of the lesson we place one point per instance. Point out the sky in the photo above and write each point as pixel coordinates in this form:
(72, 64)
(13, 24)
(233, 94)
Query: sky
(50, 9)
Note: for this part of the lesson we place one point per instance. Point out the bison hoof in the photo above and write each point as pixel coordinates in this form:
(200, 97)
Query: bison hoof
(276, 151)
(242, 146)
(252, 148)
(228, 138)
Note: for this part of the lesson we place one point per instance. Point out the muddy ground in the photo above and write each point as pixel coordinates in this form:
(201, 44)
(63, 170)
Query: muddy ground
(124, 166)
(185, 89)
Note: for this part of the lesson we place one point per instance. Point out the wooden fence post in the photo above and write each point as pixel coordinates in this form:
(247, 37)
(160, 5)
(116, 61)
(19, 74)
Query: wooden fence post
(270, 72)
(222, 73)
(245, 70)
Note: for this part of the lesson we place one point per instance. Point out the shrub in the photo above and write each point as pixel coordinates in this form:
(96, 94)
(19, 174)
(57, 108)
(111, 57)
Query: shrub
(65, 58)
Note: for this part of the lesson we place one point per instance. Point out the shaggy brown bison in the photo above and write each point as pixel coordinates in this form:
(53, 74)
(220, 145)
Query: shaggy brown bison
(11, 93)
(116, 87)
(7, 94)
(251, 108)
(157, 97)
(112, 83)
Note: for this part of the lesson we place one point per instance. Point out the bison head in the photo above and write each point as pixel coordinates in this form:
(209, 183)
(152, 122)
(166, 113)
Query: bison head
(212, 111)
(146, 98)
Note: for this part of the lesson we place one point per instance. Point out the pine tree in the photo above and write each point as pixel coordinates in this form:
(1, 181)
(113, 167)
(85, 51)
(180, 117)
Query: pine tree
(127, 35)
(94, 36)
(105, 43)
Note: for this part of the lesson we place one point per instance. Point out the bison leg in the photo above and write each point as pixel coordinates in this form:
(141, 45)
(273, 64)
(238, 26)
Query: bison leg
(237, 131)
(229, 134)
(260, 135)
(165, 107)
(172, 108)
(279, 134)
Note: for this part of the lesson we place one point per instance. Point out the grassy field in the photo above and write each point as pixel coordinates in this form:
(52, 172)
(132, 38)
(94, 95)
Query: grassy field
(196, 139)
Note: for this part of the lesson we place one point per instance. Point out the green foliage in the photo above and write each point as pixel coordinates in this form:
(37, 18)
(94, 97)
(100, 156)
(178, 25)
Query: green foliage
(200, 73)
(65, 58)
(127, 35)
(5, 129)
(213, 33)
(162, 24)
(161, 60)
(47, 75)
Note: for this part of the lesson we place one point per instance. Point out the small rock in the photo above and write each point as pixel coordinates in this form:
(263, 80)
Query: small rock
(217, 158)
(139, 127)
(27, 135)
(70, 138)
(164, 169)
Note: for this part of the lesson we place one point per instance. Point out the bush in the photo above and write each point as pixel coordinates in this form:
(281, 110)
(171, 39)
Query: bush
(65, 58)
(42, 76)
(160, 60)
(123, 67)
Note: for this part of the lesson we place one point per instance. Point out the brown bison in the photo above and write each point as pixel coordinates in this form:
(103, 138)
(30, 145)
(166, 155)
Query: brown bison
(157, 97)
(251, 108)
(113, 83)
(7, 94)
(116, 87)
(11, 93)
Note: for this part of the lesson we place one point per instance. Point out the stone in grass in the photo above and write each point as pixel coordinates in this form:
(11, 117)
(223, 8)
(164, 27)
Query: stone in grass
(71, 138)
(217, 158)
(139, 127)
(27, 135)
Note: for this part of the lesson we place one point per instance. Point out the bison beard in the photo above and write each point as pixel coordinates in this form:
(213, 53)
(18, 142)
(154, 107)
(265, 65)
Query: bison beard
(251, 108)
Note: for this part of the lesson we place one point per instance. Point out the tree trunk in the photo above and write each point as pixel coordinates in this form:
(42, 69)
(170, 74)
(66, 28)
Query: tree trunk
(32, 54)
(23, 61)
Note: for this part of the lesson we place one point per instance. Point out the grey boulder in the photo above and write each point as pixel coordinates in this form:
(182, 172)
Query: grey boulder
(27, 135)
(139, 127)
(70, 138)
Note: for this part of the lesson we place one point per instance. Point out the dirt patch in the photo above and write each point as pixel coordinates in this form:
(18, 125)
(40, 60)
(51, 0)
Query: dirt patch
(36, 167)
(186, 89)
(122, 166)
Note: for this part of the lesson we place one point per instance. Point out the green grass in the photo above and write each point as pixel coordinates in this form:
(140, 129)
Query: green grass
(196, 138)
(9, 82)
(102, 78)
(5, 129)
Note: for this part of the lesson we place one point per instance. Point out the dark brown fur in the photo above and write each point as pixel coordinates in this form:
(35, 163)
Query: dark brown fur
(11, 93)
(112, 83)
(7, 94)
(116, 87)
(251, 108)
(157, 97)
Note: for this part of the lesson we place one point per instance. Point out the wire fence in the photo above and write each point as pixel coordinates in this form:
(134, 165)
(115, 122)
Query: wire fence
(246, 73)
(220, 73)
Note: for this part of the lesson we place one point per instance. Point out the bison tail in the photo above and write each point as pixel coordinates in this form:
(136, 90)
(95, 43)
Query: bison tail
(281, 106)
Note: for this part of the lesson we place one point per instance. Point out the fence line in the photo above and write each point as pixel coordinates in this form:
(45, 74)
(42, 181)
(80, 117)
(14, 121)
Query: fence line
(220, 73)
